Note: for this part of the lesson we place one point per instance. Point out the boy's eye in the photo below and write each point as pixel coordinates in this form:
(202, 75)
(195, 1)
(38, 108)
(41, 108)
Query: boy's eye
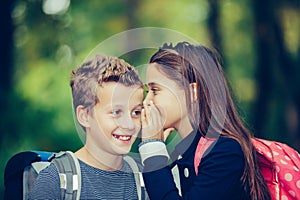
(116, 113)
(136, 113)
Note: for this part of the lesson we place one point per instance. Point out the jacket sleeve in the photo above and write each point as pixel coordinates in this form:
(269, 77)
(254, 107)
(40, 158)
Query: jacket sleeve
(219, 175)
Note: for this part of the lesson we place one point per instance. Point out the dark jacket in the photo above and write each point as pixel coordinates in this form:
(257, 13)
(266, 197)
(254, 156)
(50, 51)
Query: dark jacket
(219, 173)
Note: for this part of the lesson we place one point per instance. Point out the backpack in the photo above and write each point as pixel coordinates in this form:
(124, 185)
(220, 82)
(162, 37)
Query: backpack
(279, 165)
(23, 168)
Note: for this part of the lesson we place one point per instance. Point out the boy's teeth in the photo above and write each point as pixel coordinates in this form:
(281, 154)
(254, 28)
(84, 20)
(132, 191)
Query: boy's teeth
(122, 137)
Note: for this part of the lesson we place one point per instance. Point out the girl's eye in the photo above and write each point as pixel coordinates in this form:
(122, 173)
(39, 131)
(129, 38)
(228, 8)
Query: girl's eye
(116, 113)
(154, 90)
(136, 113)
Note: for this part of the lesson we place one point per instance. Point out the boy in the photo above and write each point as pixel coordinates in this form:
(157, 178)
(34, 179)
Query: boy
(107, 98)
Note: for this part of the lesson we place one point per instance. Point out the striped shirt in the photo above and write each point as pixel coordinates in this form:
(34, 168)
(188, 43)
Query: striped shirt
(96, 183)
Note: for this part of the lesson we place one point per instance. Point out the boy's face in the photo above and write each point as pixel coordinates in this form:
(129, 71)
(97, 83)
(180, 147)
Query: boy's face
(115, 121)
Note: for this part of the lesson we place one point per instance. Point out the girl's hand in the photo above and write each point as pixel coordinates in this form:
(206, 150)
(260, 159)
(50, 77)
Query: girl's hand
(152, 123)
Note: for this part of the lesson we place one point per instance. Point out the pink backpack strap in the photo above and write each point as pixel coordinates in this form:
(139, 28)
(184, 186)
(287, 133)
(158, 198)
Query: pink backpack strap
(203, 145)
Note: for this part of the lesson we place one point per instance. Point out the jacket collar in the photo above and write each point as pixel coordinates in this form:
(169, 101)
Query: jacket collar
(186, 146)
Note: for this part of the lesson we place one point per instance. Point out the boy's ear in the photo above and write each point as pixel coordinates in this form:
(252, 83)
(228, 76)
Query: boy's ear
(193, 91)
(82, 116)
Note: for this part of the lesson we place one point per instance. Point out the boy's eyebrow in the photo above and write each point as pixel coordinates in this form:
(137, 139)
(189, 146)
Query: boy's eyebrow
(140, 104)
(120, 105)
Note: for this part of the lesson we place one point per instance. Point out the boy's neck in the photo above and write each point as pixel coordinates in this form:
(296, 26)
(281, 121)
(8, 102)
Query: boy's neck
(99, 161)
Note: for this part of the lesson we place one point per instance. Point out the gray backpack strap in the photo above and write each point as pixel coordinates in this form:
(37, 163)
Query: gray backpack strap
(69, 174)
(30, 174)
(139, 181)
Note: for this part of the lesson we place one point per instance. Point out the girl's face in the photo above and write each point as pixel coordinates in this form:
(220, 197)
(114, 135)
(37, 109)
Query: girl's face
(168, 97)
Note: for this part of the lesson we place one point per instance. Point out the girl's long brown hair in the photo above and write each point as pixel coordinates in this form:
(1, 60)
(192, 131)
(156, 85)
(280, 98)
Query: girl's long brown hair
(213, 111)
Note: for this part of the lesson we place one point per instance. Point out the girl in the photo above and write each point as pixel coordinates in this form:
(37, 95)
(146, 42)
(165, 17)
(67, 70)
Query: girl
(188, 93)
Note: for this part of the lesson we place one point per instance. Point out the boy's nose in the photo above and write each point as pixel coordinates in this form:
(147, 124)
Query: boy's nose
(127, 123)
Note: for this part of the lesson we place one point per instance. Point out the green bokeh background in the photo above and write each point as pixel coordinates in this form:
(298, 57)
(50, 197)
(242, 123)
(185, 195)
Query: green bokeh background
(258, 40)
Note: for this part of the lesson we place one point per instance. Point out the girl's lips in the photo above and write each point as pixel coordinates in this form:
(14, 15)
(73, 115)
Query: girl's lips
(124, 138)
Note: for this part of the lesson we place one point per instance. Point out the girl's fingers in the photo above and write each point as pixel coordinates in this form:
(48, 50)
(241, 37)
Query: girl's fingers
(147, 113)
(156, 120)
(151, 121)
(154, 113)
(143, 118)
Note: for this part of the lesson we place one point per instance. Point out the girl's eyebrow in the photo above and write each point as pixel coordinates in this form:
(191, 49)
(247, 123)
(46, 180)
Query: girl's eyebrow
(152, 84)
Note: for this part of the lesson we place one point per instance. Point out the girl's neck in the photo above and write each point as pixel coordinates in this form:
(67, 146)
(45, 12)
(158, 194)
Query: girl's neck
(185, 128)
(99, 160)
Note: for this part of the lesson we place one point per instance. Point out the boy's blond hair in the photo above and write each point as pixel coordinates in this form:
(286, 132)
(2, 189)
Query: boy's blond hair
(91, 74)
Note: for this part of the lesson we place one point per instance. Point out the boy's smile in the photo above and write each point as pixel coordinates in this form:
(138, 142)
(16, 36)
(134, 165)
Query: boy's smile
(107, 98)
(124, 138)
(115, 119)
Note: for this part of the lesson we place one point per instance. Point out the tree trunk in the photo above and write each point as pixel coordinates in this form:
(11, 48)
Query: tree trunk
(274, 60)
(263, 37)
(6, 67)
(213, 24)
(290, 74)
(6, 74)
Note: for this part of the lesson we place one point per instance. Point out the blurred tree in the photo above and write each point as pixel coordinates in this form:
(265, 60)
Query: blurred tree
(40, 44)
(290, 74)
(276, 71)
(263, 21)
(6, 46)
(132, 22)
(6, 75)
(213, 24)
(6, 67)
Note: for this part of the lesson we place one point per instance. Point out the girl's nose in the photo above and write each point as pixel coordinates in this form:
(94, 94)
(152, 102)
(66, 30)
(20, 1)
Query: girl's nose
(148, 98)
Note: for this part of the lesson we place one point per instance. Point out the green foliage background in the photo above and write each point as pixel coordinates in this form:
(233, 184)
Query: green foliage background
(46, 47)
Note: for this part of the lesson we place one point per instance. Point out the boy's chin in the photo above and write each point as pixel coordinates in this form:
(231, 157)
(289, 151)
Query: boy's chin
(123, 149)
